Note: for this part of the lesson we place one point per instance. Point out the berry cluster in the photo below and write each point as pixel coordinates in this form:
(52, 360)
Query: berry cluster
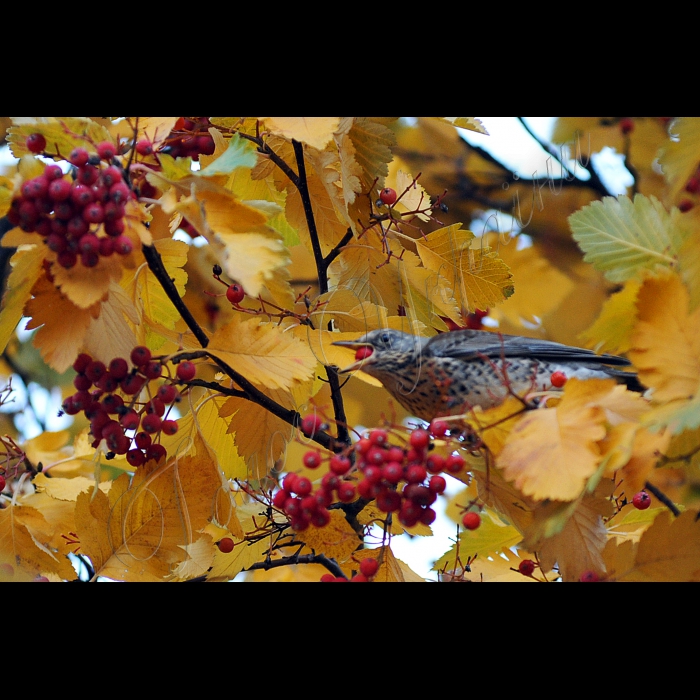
(79, 219)
(107, 395)
(190, 138)
(402, 480)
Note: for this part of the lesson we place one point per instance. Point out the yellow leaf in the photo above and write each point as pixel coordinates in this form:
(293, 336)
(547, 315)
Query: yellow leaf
(551, 452)
(391, 569)
(25, 542)
(578, 546)
(679, 157)
(228, 565)
(26, 266)
(612, 330)
(62, 134)
(470, 123)
(156, 129)
(478, 278)
(337, 540)
(373, 143)
(263, 353)
(62, 325)
(669, 550)
(140, 531)
(200, 556)
(414, 198)
(314, 131)
(666, 348)
(494, 425)
(260, 437)
(253, 258)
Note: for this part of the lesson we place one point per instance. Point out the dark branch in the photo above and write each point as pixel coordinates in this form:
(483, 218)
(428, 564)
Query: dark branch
(663, 498)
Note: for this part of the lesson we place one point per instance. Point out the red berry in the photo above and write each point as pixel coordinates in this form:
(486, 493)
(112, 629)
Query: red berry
(693, 185)
(685, 205)
(151, 423)
(388, 196)
(106, 150)
(303, 486)
(416, 474)
(369, 567)
(155, 452)
(53, 172)
(435, 464)
(340, 464)
(362, 353)
(118, 368)
(439, 428)
(143, 440)
(59, 190)
(36, 143)
(130, 421)
(111, 175)
(144, 147)
(167, 393)
(346, 492)
(311, 424)
(225, 545)
(471, 520)
(122, 244)
(3, 483)
(626, 125)
(392, 472)
(186, 371)
(589, 577)
(78, 157)
(312, 460)
(437, 484)
(135, 457)
(454, 464)
(379, 437)
(235, 293)
(419, 439)
(526, 567)
(169, 427)
(558, 379)
(641, 500)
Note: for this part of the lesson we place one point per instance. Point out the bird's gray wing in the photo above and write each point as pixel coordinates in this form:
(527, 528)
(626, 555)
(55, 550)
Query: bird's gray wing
(469, 344)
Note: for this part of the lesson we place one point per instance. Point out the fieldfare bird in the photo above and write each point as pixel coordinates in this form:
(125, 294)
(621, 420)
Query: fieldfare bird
(452, 372)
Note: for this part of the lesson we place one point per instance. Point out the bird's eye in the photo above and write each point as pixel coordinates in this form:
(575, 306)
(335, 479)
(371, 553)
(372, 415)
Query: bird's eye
(385, 338)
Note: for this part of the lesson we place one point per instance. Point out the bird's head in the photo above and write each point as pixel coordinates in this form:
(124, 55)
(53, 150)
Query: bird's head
(379, 347)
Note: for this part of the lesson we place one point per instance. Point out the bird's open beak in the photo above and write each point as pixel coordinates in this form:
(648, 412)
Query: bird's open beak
(352, 344)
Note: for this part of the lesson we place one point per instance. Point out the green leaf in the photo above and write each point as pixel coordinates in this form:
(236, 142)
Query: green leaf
(239, 154)
(622, 238)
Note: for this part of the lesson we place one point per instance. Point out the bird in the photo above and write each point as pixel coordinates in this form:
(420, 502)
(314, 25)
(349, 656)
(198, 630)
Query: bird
(455, 371)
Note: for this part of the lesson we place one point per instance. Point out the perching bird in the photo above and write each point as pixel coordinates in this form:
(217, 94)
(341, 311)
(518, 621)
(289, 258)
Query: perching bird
(452, 372)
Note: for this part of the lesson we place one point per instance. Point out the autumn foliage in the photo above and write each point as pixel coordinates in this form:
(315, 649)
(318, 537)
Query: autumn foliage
(184, 280)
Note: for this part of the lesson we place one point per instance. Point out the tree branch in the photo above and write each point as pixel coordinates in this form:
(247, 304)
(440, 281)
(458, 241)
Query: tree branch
(662, 497)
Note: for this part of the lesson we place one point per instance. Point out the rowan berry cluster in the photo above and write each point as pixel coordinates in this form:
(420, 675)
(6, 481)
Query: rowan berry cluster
(368, 570)
(80, 218)
(402, 480)
(190, 138)
(109, 398)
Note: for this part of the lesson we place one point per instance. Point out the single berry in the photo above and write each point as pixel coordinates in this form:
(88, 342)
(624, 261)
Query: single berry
(225, 545)
(437, 484)
(641, 500)
(589, 577)
(369, 567)
(140, 355)
(626, 125)
(106, 150)
(439, 428)
(235, 293)
(169, 427)
(78, 157)
(340, 464)
(135, 457)
(151, 423)
(388, 196)
(36, 143)
(167, 393)
(454, 464)
(558, 379)
(155, 452)
(471, 520)
(186, 371)
(419, 439)
(526, 567)
(144, 147)
(312, 460)
(363, 353)
(311, 424)
(379, 437)
(685, 205)
(3, 483)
